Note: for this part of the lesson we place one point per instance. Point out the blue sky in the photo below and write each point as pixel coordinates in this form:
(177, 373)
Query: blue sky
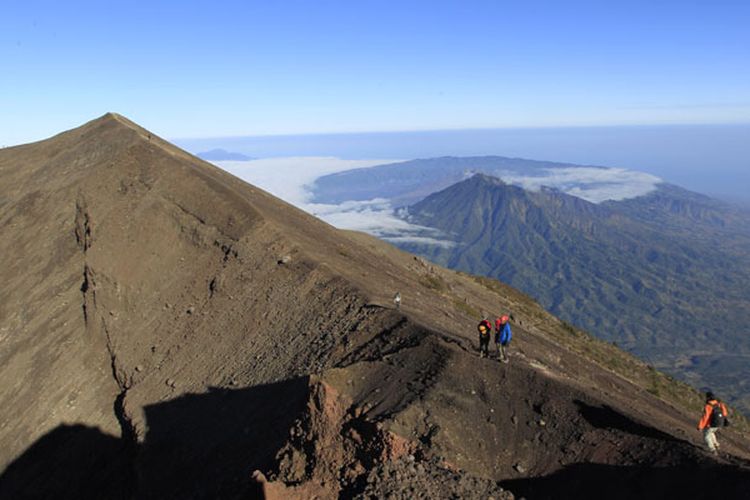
(196, 69)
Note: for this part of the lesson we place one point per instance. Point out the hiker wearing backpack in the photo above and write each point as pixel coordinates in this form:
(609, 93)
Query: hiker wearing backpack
(485, 328)
(502, 337)
(714, 416)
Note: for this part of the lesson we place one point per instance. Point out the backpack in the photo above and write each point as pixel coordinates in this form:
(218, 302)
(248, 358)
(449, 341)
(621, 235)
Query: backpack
(717, 416)
(487, 328)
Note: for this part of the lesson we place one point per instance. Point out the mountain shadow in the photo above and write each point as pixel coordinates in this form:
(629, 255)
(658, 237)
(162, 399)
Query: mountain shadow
(196, 446)
(590, 481)
(605, 417)
(71, 461)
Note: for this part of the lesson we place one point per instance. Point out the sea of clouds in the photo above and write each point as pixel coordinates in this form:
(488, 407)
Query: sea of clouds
(292, 180)
(594, 184)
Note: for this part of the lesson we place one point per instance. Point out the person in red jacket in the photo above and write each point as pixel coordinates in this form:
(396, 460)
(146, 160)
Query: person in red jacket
(714, 416)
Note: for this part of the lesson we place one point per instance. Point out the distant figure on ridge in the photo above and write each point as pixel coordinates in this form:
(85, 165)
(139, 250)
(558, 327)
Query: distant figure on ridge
(502, 337)
(397, 300)
(714, 416)
(485, 328)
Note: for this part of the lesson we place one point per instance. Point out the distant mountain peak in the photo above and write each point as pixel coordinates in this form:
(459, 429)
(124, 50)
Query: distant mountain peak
(219, 154)
(491, 180)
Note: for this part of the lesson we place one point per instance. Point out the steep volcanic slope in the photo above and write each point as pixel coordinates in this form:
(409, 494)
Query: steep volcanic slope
(166, 329)
(664, 275)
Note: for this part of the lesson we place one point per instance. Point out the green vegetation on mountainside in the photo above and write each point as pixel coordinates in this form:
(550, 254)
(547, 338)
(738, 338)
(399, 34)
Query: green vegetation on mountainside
(671, 288)
(608, 355)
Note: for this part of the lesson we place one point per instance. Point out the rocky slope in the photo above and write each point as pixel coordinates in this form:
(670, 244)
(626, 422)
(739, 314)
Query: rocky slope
(166, 330)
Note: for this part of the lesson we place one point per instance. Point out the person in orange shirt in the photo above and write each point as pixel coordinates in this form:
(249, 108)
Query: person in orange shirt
(714, 416)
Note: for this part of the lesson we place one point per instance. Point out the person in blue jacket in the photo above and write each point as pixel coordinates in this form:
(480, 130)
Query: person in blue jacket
(502, 337)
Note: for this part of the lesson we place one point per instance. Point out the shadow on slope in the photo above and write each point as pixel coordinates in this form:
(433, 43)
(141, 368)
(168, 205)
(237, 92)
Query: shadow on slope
(197, 446)
(604, 417)
(71, 461)
(669, 474)
(582, 481)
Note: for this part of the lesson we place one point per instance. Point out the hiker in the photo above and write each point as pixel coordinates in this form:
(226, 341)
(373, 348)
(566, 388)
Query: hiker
(502, 337)
(397, 300)
(485, 328)
(714, 416)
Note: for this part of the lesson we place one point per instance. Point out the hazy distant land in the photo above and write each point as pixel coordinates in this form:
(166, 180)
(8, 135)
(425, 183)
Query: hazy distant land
(711, 159)
(219, 154)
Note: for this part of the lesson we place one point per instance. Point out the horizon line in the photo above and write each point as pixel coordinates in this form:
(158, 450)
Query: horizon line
(458, 129)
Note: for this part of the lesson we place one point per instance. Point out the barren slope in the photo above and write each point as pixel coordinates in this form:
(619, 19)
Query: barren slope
(165, 329)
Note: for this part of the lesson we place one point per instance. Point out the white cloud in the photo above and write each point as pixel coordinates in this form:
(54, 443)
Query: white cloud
(376, 217)
(422, 240)
(593, 184)
(291, 179)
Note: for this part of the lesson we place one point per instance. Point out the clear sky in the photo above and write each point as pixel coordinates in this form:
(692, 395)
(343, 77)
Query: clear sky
(193, 69)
